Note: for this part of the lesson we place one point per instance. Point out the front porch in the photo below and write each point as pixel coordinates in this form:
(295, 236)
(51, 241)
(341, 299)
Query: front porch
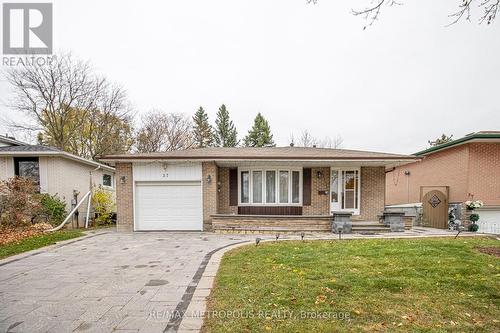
(292, 197)
(292, 224)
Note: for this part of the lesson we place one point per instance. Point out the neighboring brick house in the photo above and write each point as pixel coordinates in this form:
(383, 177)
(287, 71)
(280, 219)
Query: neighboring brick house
(202, 189)
(57, 172)
(469, 167)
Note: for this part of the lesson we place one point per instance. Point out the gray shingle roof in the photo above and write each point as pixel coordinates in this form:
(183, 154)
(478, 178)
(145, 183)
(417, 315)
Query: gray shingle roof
(28, 148)
(249, 153)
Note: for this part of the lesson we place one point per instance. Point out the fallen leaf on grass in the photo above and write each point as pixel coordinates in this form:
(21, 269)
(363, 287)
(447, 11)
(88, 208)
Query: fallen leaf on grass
(320, 299)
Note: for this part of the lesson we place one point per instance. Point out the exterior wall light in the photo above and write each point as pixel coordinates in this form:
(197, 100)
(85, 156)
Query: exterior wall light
(320, 174)
(123, 179)
(209, 179)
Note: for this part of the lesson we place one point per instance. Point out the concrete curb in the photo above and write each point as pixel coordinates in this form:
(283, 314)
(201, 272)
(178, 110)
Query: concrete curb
(193, 318)
(194, 315)
(21, 256)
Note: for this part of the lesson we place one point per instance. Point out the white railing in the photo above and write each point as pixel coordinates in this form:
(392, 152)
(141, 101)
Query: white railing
(487, 227)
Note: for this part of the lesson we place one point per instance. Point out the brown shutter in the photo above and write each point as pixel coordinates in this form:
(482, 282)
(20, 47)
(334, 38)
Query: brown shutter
(306, 187)
(233, 187)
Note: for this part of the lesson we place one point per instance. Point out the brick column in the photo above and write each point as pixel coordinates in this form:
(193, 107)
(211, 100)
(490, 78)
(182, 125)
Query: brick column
(209, 193)
(372, 192)
(124, 197)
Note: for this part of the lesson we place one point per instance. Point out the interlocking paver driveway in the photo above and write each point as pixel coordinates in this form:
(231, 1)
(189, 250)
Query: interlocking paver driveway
(111, 282)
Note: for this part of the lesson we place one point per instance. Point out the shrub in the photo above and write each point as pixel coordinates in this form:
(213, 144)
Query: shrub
(474, 217)
(104, 205)
(20, 202)
(54, 208)
(473, 227)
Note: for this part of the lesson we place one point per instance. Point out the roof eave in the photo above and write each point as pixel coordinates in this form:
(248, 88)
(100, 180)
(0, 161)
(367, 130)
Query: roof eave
(408, 159)
(457, 142)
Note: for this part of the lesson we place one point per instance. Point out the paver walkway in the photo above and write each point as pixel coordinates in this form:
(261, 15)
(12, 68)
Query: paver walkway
(111, 282)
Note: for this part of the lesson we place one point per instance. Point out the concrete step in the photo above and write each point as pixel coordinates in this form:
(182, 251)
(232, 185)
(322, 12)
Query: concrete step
(374, 229)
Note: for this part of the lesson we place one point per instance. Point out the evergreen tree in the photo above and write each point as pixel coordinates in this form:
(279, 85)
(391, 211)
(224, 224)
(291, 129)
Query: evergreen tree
(202, 130)
(225, 134)
(260, 134)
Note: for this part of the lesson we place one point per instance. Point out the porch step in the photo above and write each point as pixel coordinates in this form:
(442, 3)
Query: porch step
(369, 227)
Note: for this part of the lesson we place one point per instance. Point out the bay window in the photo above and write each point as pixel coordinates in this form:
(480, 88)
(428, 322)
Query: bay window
(280, 186)
(295, 186)
(245, 188)
(271, 186)
(283, 187)
(257, 186)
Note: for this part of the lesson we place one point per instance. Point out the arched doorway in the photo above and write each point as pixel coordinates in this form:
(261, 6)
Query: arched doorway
(435, 209)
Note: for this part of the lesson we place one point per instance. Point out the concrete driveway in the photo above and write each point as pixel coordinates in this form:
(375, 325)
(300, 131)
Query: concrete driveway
(108, 282)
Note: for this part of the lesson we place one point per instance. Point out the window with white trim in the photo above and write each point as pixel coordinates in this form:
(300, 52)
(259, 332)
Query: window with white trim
(270, 186)
(107, 180)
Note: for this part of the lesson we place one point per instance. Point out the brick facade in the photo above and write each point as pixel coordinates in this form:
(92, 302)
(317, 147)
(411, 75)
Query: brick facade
(216, 194)
(372, 193)
(484, 172)
(372, 199)
(320, 203)
(223, 202)
(124, 197)
(210, 193)
(471, 168)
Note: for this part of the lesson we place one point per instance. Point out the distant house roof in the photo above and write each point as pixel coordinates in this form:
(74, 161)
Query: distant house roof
(28, 148)
(482, 136)
(20, 149)
(266, 153)
(11, 141)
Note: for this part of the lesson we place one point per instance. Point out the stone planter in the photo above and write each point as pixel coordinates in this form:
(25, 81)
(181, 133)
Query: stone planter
(342, 222)
(395, 221)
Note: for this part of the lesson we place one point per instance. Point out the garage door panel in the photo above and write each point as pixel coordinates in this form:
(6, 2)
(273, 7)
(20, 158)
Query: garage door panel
(168, 206)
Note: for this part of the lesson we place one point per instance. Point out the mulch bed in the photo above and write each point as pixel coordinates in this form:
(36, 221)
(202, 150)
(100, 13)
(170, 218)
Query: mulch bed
(494, 251)
(11, 235)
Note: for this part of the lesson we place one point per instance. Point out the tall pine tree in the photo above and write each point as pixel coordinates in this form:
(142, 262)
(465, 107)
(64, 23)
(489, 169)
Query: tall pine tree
(260, 134)
(225, 134)
(202, 130)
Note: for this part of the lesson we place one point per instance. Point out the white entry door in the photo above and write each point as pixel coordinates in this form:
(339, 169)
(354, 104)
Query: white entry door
(345, 190)
(168, 206)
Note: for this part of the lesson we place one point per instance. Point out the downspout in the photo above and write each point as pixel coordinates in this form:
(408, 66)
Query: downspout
(90, 196)
(70, 214)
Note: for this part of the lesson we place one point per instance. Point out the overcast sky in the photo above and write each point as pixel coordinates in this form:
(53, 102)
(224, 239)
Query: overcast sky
(389, 88)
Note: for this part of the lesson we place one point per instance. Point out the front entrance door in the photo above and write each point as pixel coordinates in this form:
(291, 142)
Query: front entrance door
(435, 209)
(344, 190)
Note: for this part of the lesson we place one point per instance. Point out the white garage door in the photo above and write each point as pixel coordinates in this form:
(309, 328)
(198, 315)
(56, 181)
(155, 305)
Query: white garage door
(168, 206)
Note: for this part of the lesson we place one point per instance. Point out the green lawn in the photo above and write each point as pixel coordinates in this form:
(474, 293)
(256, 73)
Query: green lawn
(36, 242)
(417, 285)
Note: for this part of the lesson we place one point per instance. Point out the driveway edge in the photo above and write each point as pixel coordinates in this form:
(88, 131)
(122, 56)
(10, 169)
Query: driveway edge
(193, 306)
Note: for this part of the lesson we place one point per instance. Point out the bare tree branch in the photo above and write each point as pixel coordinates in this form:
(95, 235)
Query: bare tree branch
(371, 13)
(160, 131)
(306, 139)
(72, 108)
